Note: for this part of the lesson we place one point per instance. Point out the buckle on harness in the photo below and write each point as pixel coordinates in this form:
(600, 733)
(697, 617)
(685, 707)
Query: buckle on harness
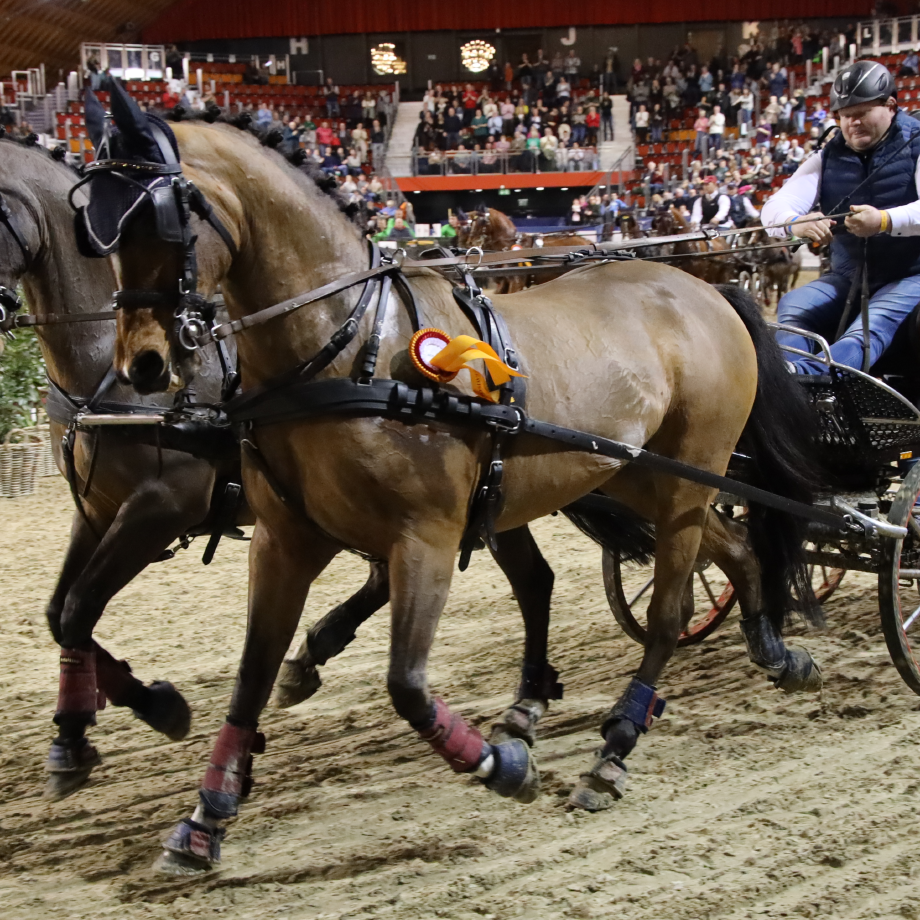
(504, 425)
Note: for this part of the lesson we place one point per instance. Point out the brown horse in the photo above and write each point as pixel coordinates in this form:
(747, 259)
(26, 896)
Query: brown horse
(607, 349)
(490, 230)
(714, 269)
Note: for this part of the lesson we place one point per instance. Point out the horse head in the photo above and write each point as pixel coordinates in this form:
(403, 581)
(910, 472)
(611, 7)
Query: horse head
(143, 209)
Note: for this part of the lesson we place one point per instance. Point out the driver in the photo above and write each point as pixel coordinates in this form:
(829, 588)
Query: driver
(869, 167)
(712, 207)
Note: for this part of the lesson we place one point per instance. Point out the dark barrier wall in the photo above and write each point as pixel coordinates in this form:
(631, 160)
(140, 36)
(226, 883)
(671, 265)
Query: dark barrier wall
(192, 20)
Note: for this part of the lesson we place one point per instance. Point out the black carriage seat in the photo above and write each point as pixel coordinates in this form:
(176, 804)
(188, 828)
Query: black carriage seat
(861, 415)
(872, 417)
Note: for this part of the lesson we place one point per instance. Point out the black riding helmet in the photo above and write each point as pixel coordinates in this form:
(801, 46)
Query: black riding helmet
(864, 81)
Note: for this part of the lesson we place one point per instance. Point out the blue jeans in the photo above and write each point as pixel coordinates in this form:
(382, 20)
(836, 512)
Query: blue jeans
(818, 306)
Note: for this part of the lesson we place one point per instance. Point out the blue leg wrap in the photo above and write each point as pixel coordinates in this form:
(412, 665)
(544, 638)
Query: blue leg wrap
(640, 704)
(196, 841)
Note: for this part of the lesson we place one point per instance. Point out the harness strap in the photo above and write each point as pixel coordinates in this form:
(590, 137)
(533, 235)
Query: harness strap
(397, 400)
(55, 319)
(295, 303)
(202, 207)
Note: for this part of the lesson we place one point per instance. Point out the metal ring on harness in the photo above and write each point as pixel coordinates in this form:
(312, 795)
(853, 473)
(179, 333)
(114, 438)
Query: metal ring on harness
(466, 255)
(190, 327)
(10, 304)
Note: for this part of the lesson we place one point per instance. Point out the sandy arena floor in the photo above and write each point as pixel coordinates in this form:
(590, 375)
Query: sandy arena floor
(742, 802)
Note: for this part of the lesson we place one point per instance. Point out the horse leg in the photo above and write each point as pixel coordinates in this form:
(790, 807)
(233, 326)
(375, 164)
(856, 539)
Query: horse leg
(420, 571)
(284, 560)
(791, 670)
(95, 570)
(531, 581)
(682, 514)
(299, 678)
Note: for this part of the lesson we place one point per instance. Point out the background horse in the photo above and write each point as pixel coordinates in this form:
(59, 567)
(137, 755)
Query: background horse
(714, 269)
(607, 349)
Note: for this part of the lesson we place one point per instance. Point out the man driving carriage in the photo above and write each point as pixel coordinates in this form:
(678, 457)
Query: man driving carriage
(869, 169)
(712, 207)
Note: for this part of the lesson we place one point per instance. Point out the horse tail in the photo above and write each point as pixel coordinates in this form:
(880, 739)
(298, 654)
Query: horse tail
(613, 526)
(779, 438)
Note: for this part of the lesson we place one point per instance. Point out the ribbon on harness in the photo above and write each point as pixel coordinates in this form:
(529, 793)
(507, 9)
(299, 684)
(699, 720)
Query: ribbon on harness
(457, 354)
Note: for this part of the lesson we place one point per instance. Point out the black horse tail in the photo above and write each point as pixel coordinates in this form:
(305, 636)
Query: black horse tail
(780, 439)
(613, 526)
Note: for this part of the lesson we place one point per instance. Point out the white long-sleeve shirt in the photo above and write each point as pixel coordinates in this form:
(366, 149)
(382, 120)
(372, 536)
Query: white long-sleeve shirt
(800, 194)
(721, 217)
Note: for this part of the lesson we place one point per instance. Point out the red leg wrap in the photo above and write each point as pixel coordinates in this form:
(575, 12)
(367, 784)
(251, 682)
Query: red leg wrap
(459, 744)
(78, 693)
(230, 769)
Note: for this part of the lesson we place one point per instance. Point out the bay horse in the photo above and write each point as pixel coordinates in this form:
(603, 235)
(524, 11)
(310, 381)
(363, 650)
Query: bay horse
(608, 349)
(137, 497)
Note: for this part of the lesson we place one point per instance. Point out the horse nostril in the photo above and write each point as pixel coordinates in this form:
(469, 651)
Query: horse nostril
(147, 370)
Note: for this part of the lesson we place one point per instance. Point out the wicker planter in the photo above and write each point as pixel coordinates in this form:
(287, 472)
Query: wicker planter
(19, 456)
(46, 465)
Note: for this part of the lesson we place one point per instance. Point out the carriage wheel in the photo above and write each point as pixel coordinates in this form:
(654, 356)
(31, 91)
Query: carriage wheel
(757, 287)
(825, 581)
(899, 582)
(712, 593)
(711, 596)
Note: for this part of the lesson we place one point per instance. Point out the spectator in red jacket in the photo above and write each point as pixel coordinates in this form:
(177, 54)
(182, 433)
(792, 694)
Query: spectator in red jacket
(470, 102)
(592, 123)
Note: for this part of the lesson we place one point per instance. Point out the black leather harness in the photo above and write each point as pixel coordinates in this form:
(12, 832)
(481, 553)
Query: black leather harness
(296, 394)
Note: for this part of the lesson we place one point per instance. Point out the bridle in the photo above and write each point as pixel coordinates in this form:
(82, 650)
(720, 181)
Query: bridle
(10, 301)
(174, 199)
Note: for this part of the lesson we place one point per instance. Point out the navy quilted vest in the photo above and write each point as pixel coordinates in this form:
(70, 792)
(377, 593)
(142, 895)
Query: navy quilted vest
(892, 165)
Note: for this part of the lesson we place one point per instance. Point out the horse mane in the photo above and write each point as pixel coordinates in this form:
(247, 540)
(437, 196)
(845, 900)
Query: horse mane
(56, 154)
(35, 157)
(270, 140)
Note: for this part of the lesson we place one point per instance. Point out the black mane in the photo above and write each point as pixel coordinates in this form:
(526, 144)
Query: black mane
(271, 138)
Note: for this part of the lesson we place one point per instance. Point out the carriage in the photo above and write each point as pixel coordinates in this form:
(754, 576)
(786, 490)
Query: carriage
(870, 424)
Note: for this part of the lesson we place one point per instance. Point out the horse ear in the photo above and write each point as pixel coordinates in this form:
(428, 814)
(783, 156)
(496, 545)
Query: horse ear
(134, 126)
(94, 114)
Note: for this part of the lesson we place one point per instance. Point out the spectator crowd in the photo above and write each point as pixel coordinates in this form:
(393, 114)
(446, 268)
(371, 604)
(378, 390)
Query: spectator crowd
(541, 118)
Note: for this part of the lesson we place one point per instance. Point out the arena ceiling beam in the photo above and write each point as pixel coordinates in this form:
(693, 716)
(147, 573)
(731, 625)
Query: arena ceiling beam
(49, 32)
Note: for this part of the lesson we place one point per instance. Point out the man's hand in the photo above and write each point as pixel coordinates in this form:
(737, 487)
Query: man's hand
(866, 221)
(814, 226)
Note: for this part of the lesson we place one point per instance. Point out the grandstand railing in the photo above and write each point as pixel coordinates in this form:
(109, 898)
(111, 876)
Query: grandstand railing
(128, 61)
(888, 36)
(475, 163)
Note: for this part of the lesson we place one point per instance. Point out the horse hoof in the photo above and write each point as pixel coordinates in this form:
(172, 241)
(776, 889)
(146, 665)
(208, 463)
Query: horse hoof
(68, 768)
(191, 849)
(180, 864)
(601, 787)
(801, 673)
(296, 682)
(515, 775)
(166, 711)
(518, 721)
